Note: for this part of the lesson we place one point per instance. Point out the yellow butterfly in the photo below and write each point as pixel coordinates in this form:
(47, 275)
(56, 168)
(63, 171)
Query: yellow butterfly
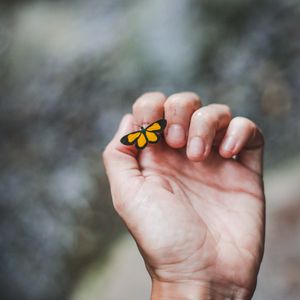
(150, 134)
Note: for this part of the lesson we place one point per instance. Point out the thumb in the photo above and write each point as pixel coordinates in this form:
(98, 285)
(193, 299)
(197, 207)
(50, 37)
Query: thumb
(121, 165)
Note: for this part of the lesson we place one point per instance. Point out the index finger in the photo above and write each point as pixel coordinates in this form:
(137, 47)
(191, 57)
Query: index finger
(148, 108)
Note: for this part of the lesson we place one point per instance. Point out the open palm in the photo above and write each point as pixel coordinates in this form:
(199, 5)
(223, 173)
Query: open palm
(194, 218)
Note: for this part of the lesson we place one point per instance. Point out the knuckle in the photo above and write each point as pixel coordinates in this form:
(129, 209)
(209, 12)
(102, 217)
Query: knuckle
(156, 94)
(240, 119)
(144, 104)
(226, 109)
(191, 96)
(141, 105)
(175, 101)
(204, 115)
(184, 99)
(221, 108)
(245, 122)
(148, 101)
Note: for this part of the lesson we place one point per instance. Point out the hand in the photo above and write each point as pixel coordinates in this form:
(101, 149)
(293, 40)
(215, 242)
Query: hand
(196, 213)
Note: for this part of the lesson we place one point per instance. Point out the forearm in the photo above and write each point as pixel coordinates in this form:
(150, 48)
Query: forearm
(195, 291)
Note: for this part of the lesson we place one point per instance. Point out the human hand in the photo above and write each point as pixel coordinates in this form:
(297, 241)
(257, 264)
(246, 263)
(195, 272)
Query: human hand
(197, 214)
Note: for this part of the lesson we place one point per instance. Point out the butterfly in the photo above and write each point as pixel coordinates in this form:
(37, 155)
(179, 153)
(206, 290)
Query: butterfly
(150, 134)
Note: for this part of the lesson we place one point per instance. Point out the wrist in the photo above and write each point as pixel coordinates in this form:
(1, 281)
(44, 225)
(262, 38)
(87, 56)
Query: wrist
(178, 291)
(194, 290)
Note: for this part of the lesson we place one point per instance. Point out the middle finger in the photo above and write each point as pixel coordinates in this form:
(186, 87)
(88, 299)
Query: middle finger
(178, 111)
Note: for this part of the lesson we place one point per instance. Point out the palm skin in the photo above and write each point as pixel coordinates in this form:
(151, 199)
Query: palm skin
(195, 221)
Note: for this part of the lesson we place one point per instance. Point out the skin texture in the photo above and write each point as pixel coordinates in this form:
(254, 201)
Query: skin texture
(197, 214)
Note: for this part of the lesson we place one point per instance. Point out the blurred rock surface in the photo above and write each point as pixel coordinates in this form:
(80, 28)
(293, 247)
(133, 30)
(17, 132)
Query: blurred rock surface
(70, 69)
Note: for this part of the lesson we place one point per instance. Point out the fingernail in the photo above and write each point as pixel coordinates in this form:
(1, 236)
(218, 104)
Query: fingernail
(176, 133)
(196, 147)
(229, 144)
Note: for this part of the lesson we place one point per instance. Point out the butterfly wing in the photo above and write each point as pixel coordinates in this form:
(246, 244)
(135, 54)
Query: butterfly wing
(152, 137)
(157, 126)
(130, 138)
(153, 130)
(141, 142)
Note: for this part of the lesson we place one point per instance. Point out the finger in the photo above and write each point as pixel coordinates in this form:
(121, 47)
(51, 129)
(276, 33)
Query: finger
(120, 162)
(178, 111)
(245, 139)
(148, 108)
(206, 122)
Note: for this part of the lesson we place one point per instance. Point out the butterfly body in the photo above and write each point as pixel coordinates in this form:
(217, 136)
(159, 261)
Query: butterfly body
(143, 130)
(150, 134)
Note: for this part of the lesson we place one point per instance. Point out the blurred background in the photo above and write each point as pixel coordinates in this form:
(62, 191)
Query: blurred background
(70, 69)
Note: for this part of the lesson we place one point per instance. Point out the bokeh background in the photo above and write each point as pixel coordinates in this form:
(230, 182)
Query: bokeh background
(70, 69)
